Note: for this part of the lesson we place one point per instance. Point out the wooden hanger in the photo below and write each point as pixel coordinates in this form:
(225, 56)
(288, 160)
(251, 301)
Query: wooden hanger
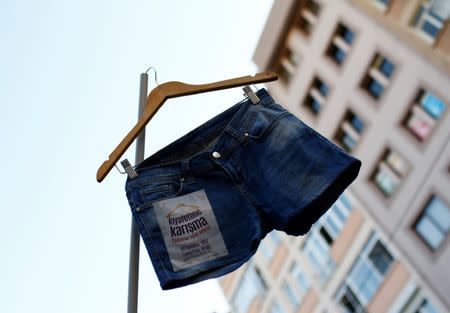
(160, 94)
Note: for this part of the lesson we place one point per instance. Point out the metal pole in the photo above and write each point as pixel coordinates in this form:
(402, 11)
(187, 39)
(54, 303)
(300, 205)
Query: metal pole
(133, 271)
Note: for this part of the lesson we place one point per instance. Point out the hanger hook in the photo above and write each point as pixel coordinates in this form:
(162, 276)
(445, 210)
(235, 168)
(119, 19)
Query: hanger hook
(156, 74)
(119, 169)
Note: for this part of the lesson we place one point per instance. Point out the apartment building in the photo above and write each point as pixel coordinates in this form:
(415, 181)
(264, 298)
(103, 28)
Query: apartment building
(374, 77)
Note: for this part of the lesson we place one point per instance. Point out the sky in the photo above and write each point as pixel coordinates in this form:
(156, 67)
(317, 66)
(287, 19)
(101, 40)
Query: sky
(69, 86)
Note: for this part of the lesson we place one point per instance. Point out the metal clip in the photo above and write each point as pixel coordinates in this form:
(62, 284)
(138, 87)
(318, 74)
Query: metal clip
(129, 169)
(251, 95)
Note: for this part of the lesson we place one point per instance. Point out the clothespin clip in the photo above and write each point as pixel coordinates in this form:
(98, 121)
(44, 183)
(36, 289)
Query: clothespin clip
(250, 94)
(129, 170)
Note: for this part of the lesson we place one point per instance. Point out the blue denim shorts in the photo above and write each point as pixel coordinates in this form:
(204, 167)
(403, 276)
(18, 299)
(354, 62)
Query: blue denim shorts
(203, 203)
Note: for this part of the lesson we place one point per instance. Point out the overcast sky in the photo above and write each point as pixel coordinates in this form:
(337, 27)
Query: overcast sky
(69, 79)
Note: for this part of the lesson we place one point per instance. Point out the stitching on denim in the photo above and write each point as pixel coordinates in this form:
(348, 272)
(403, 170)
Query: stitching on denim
(245, 194)
(266, 101)
(198, 148)
(249, 122)
(241, 190)
(227, 172)
(186, 168)
(148, 232)
(128, 190)
(195, 149)
(253, 205)
(155, 189)
(192, 152)
(145, 206)
(274, 123)
(154, 247)
(159, 179)
(237, 135)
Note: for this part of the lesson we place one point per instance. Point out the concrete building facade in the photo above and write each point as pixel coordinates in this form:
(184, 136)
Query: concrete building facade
(374, 77)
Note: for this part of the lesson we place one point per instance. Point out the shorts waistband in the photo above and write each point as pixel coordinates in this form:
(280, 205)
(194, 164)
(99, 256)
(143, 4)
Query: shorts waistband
(234, 121)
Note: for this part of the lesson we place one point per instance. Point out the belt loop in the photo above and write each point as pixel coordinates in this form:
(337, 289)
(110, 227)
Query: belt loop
(185, 166)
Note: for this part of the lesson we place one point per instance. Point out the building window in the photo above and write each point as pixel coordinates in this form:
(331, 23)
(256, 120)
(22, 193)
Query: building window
(425, 113)
(307, 16)
(366, 276)
(317, 95)
(433, 225)
(340, 44)
(429, 19)
(348, 301)
(251, 287)
(378, 76)
(350, 131)
(321, 237)
(287, 64)
(296, 285)
(414, 301)
(390, 172)
(426, 307)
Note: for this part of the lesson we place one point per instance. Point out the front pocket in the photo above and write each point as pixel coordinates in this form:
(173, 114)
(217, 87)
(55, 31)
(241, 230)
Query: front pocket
(263, 125)
(155, 191)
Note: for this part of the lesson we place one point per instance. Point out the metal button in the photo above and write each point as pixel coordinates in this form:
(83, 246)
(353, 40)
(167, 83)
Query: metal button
(246, 134)
(138, 209)
(216, 155)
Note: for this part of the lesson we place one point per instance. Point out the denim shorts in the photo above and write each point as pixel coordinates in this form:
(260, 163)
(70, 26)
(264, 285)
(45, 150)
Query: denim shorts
(203, 203)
